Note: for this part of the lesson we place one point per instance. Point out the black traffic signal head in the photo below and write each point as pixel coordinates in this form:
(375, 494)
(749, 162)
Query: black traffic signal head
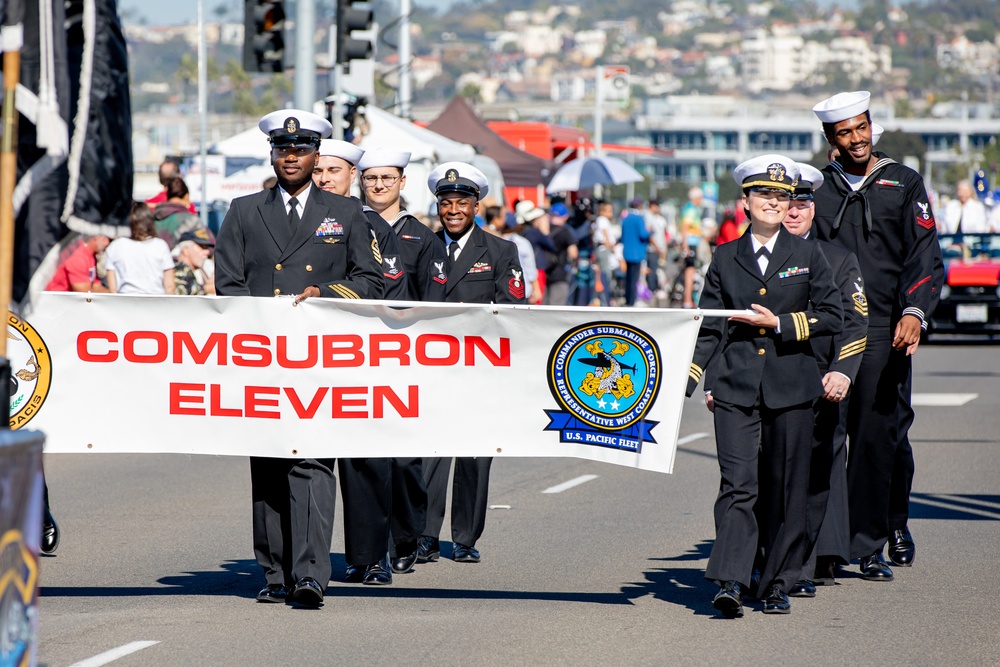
(264, 39)
(353, 15)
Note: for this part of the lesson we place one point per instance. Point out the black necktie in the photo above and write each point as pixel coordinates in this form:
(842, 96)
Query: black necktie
(763, 251)
(293, 214)
(453, 251)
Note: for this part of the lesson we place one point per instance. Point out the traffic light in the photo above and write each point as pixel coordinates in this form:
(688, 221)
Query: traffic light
(264, 39)
(352, 15)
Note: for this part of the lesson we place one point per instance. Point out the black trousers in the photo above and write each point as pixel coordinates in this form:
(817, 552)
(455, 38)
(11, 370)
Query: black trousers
(293, 504)
(764, 458)
(366, 489)
(632, 270)
(828, 527)
(873, 427)
(409, 500)
(469, 497)
(902, 462)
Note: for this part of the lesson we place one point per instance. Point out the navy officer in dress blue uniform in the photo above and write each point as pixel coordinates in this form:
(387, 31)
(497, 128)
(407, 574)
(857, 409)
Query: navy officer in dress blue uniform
(878, 209)
(424, 263)
(482, 269)
(364, 482)
(295, 239)
(839, 359)
(766, 380)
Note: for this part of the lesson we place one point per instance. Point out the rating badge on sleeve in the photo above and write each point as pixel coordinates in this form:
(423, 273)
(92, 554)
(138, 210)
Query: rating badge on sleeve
(605, 376)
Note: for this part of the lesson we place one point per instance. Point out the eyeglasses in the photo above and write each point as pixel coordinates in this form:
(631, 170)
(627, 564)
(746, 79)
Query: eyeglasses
(387, 181)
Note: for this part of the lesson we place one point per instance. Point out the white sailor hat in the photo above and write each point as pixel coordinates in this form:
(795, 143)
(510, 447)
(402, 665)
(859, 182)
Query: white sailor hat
(294, 127)
(842, 106)
(527, 212)
(767, 171)
(877, 131)
(810, 178)
(458, 177)
(380, 157)
(345, 150)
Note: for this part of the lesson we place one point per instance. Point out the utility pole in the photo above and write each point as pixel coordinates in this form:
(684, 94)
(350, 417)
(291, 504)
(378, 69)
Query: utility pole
(305, 55)
(203, 113)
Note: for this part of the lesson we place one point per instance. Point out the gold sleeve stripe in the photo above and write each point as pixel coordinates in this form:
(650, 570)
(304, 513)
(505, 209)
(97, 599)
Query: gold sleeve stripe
(845, 354)
(344, 291)
(376, 251)
(696, 372)
(850, 349)
(801, 326)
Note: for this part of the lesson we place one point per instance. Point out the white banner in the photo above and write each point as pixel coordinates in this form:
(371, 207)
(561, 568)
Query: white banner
(261, 377)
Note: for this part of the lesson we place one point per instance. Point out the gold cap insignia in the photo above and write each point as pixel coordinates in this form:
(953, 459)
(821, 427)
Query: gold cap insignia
(451, 175)
(291, 125)
(776, 171)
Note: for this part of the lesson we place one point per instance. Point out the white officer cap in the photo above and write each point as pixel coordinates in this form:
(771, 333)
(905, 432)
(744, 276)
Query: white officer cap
(842, 106)
(526, 211)
(380, 157)
(767, 171)
(294, 127)
(458, 177)
(810, 178)
(342, 149)
(877, 131)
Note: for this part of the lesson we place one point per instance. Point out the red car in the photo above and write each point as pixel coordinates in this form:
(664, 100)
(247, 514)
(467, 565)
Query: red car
(970, 298)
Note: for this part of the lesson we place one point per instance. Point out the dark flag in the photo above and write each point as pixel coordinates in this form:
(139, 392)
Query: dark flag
(75, 133)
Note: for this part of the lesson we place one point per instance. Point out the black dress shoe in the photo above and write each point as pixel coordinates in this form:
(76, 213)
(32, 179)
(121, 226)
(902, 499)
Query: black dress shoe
(50, 534)
(354, 574)
(406, 556)
(901, 548)
(729, 599)
(804, 588)
(378, 574)
(874, 568)
(826, 572)
(307, 592)
(428, 549)
(776, 602)
(465, 554)
(272, 593)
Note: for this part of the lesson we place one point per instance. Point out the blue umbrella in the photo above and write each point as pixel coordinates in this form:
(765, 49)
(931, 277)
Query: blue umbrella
(585, 173)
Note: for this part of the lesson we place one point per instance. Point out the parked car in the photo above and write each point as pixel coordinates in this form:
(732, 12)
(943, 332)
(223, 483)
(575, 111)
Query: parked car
(970, 297)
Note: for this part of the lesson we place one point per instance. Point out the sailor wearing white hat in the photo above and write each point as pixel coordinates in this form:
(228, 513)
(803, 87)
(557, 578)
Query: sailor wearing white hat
(879, 210)
(295, 239)
(424, 262)
(482, 268)
(365, 483)
(764, 383)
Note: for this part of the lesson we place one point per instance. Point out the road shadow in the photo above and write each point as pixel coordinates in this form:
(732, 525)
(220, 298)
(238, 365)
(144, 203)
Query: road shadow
(244, 579)
(955, 506)
(685, 586)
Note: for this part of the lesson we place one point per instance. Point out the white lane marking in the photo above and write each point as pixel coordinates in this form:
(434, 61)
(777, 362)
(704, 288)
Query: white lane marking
(942, 400)
(559, 488)
(498, 507)
(691, 438)
(114, 654)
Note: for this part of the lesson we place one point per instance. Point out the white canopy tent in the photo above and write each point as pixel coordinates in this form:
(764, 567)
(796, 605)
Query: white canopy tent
(427, 148)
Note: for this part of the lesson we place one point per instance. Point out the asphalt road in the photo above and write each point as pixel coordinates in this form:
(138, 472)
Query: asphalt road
(610, 571)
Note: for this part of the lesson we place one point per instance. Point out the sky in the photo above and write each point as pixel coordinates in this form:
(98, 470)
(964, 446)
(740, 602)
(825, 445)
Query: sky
(186, 11)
